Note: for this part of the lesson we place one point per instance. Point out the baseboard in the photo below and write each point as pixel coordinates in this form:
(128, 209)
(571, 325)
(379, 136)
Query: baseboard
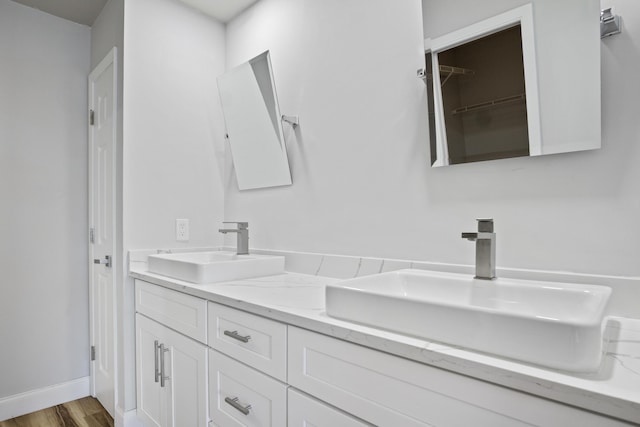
(118, 417)
(35, 400)
(128, 419)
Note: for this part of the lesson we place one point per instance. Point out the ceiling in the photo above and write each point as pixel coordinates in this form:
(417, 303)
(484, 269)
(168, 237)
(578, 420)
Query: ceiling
(85, 12)
(80, 11)
(223, 10)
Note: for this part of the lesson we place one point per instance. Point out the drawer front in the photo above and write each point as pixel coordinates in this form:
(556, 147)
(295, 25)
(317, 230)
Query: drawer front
(184, 313)
(391, 391)
(260, 343)
(305, 411)
(241, 396)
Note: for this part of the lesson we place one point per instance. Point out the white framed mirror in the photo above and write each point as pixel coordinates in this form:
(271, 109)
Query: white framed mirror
(511, 82)
(254, 127)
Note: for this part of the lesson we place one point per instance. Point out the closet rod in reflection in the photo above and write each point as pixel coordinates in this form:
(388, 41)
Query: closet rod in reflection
(490, 104)
(446, 69)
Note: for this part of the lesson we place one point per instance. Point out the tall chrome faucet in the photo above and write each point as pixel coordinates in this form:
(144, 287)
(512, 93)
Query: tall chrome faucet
(485, 240)
(242, 245)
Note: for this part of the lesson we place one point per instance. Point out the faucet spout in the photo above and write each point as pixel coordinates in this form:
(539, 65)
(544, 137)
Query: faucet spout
(485, 240)
(473, 237)
(242, 245)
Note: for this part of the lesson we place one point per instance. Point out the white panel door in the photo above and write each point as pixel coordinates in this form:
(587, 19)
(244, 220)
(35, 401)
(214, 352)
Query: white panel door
(102, 133)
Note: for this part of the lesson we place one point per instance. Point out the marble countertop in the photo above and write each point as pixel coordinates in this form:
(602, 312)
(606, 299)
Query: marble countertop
(299, 300)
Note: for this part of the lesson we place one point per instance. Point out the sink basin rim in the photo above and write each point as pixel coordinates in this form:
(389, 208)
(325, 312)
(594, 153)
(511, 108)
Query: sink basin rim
(598, 291)
(196, 257)
(203, 267)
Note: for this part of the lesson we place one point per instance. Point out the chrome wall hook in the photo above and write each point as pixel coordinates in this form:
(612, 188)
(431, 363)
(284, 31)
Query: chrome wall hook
(610, 24)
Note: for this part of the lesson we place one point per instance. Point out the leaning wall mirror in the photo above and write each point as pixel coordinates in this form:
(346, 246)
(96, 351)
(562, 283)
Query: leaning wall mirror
(520, 82)
(254, 128)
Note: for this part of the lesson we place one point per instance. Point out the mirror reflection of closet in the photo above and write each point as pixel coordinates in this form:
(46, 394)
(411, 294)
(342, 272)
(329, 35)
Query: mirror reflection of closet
(483, 100)
(483, 95)
(480, 110)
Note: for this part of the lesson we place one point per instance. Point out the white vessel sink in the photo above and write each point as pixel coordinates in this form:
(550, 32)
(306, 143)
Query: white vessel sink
(215, 266)
(550, 324)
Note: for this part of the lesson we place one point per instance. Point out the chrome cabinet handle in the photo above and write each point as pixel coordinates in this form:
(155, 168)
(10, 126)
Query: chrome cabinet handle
(236, 336)
(234, 402)
(163, 378)
(155, 360)
(106, 261)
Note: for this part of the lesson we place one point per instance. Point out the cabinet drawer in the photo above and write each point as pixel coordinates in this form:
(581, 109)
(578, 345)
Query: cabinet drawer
(305, 411)
(184, 313)
(260, 343)
(242, 396)
(391, 391)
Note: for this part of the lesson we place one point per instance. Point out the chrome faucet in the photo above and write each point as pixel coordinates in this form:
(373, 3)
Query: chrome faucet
(242, 245)
(485, 240)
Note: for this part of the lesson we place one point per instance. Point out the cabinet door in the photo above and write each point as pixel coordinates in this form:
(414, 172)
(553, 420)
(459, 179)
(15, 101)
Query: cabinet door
(149, 335)
(185, 366)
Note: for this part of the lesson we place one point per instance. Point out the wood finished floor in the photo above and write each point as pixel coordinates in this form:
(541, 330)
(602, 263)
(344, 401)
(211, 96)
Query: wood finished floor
(85, 412)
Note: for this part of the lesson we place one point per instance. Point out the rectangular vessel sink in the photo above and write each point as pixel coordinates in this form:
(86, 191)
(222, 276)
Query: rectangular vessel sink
(545, 323)
(214, 266)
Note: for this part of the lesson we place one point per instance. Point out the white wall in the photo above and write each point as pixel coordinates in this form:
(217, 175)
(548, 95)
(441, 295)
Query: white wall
(362, 185)
(108, 31)
(173, 141)
(173, 127)
(43, 210)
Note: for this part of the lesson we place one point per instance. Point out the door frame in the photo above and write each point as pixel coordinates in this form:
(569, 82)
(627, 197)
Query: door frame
(111, 59)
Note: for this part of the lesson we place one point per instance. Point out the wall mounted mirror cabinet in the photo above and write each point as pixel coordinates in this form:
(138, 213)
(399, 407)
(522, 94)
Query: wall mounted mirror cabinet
(520, 82)
(254, 127)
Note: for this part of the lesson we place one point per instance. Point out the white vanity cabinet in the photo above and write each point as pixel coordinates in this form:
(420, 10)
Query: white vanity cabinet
(171, 367)
(225, 367)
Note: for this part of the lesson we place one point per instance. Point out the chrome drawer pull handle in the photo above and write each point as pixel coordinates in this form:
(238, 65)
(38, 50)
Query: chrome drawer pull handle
(235, 335)
(234, 402)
